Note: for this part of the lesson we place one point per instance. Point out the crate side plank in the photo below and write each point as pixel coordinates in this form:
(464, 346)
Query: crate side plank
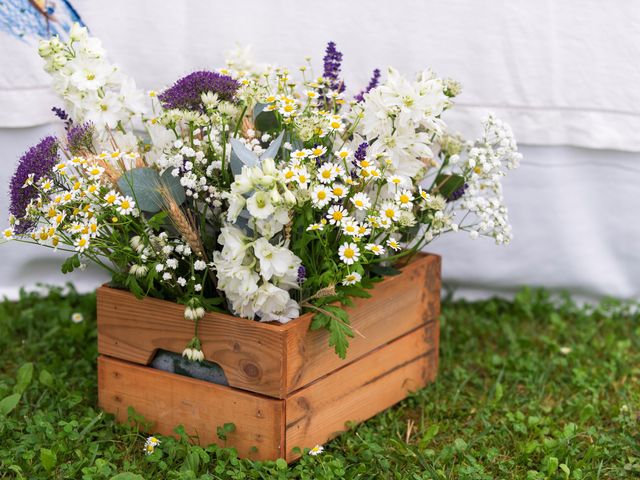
(318, 412)
(398, 305)
(250, 353)
(170, 400)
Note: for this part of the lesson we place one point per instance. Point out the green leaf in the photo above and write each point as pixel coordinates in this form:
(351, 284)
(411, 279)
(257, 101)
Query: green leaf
(241, 156)
(46, 378)
(157, 221)
(7, 404)
(429, 435)
(224, 430)
(144, 185)
(23, 378)
(265, 121)
(127, 476)
(48, 459)
(281, 464)
(499, 391)
(354, 291)
(552, 465)
(446, 184)
(70, 264)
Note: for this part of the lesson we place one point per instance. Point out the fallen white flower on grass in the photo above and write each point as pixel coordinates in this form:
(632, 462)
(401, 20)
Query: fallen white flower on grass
(150, 445)
(77, 317)
(317, 450)
(565, 350)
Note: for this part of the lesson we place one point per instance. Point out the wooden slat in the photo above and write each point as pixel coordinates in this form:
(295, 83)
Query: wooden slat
(271, 359)
(249, 352)
(399, 304)
(170, 400)
(360, 390)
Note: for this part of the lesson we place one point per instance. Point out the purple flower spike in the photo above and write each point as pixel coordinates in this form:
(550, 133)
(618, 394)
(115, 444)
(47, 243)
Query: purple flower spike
(361, 152)
(302, 274)
(64, 116)
(39, 161)
(373, 83)
(332, 64)
(185, 93)
(457, 193)
(80, 138)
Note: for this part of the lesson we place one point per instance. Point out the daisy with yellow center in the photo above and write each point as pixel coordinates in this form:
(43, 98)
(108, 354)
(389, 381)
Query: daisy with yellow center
(60, 168)
(361, 201)
(349, 253)
(351, 279)
(302, 177)
(390, 211)
(336, 215)
(150, 445)
(336, 126)
(321, 196)
(393, 244)
(317, 450)
(350, 228)
(125, 205)
(344, 154)
(318, 151)
(82, 243)
(46, 185)
(311, 94)
(111, 198)
(396, 180)
(7, 233)
(327, 173)
(339, 190)
(94, 172)
(405, 199)
(300, 154)
(315, 227)
(374, 248)
(289, 174)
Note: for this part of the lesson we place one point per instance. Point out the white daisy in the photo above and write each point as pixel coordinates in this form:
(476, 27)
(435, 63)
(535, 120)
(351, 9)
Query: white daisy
(339, 190)
(389, 211)
(82, 243)
(349, 253)
(361, 201)
(374, 248)
(352, 278)
(393, 244)
(315, 227)
(125, 205)
(327, 173)
(405, 199)
(336, 215)
(321, 195)
(350, 228)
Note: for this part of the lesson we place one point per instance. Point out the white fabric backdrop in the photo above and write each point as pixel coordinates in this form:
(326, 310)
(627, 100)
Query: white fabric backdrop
(562, 73)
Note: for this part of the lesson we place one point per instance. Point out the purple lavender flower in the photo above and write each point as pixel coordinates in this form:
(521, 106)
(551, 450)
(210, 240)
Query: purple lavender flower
(457, 193)
(80, 138)
(302, 274)
(361, 151)
(64, 116)
(332, 63)
(185, 93)
(373, 83)
(39, 161)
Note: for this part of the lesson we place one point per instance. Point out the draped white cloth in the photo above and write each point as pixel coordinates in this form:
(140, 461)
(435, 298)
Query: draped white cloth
(564, 74)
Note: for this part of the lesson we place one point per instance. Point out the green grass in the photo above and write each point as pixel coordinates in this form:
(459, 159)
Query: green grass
(507, 404)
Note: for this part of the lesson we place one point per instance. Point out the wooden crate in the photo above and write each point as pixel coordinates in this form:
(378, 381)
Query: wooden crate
(287, 387)
(268, 428)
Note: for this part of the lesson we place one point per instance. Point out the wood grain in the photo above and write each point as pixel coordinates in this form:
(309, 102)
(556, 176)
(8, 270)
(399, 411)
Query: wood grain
(269, 358)
(249, 352)
(360, 390)
(398, 305)
(170, 400)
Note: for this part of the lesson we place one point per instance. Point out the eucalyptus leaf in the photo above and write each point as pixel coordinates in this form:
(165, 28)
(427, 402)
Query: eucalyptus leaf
(265, 121)
(144, 184)
(273, 148)
(241, 156)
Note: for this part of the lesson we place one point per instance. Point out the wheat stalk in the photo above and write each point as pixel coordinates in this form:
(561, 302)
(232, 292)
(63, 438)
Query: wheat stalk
(183, 223)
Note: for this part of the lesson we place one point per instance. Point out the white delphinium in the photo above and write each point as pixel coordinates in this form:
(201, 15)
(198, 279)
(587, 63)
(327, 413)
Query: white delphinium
(400, 119)
(93, 88)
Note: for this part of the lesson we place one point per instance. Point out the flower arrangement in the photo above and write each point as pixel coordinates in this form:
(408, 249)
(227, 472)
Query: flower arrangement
(249, 191)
